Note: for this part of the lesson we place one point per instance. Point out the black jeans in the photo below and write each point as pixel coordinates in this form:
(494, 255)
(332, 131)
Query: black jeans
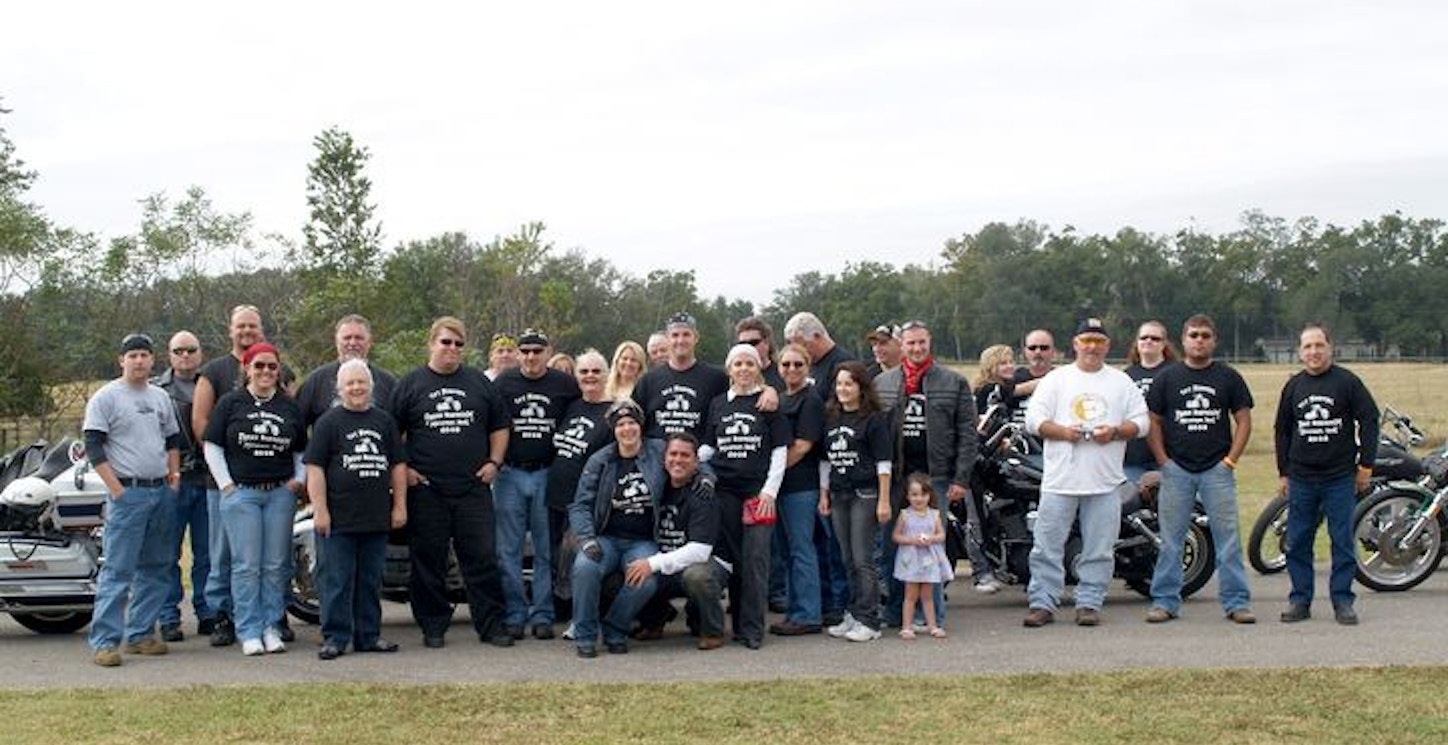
(749, 582)
(464, 523)
(858, 531)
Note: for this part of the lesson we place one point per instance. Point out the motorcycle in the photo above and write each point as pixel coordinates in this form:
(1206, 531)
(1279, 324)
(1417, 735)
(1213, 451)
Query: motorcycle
(51, 519)
(1398, 529)
(1007, 480)
(1267, 543)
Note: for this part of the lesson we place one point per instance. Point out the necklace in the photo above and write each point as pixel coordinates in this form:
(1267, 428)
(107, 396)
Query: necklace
(258, 399)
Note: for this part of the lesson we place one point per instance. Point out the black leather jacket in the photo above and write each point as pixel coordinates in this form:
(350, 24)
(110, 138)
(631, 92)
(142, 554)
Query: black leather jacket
(949, 422)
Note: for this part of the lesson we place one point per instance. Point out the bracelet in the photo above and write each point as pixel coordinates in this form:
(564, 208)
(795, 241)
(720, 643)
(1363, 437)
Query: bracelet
(1229, 463)
(490, 462)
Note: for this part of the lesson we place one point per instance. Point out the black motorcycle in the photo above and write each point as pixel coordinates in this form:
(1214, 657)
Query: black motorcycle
(1007, 483)
(1267, 544)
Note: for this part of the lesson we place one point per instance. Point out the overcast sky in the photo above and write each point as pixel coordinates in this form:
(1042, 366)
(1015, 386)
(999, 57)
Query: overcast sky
(749, 141)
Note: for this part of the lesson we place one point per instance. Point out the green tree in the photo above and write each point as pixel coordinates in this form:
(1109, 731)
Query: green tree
(341, 238)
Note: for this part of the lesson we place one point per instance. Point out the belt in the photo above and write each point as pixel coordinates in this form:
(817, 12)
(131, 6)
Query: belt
(262, 485)
(528, 465)
(131, 483)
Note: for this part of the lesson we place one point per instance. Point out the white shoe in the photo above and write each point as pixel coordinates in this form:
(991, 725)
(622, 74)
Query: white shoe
(839, 630)
(272, 641)
(988, 586)
(568, 633)
(862, 633)
(252, 647)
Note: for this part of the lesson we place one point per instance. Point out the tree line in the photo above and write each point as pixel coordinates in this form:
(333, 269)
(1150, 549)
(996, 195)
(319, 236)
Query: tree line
(67, 295)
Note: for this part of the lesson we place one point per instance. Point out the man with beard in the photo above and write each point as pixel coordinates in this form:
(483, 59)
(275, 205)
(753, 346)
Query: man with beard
(354, 342)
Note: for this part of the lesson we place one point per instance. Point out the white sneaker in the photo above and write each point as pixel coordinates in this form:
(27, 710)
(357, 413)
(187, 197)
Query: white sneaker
(839, 630)
(862, 633)
(272, 641)
(988, 586)
(252, 647)
(569, 634)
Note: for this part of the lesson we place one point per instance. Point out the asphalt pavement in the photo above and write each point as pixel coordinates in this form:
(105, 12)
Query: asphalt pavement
(985, 636)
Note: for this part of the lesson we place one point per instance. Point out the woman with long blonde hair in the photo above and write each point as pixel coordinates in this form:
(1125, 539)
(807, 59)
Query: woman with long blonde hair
(627, 366)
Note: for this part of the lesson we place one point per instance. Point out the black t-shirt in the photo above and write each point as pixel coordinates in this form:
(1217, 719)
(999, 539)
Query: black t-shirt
(581, 433)
(224, 374)
(684, 517)
(446, 421)
(743, 438)
(631, 509)
(913, 435)
(1004, 392)
(822, 371)
(1326, 425)
(805, 413)
(1138, 453)
(357, 449)
(678, 401)
(259, 437)
(1018, 403)
(1196, 408)
(319, 391)
(535, 405)
(854, 445)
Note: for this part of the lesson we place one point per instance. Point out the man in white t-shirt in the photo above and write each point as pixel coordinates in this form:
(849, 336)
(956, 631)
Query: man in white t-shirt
(1085, 412)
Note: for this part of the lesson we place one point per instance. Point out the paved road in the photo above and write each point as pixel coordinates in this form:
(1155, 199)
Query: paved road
(986, 637)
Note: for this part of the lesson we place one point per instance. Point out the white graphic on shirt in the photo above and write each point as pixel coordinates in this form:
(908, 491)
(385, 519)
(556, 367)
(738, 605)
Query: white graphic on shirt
(366, 460)
(1316, 423)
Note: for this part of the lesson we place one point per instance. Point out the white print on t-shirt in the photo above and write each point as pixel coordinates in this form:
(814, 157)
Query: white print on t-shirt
(1313, 423)
(1197, 413)
(447, 417)
(366, 460)
(737, 441)
(842, 456)
(670, 533)
(532, 421)
(678, 414)
(914, 424)
(632, 496)
(573, 441)
(264, 440)
(1089, 409)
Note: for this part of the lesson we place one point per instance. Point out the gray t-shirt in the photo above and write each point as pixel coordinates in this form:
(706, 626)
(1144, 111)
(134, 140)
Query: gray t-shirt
(136, 422)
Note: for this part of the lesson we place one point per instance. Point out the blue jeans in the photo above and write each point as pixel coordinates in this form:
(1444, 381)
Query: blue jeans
(349, 574)
(131, 585)
(191, 512)
(1216, 488)
(1307, 503)
(520, 499)
(1100, 516)
(798, 513)
(258, 526)
(218, 580)
(588, 576)
(896, 607)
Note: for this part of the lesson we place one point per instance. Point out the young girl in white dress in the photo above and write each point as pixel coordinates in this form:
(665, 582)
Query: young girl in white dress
(921, 560)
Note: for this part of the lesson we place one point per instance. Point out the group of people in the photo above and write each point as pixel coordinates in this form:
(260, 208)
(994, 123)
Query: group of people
(794, 476)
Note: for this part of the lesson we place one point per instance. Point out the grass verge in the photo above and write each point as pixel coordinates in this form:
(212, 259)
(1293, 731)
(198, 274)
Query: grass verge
(1400, 705)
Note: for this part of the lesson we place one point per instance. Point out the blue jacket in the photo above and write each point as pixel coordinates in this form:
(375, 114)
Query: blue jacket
(593, 499)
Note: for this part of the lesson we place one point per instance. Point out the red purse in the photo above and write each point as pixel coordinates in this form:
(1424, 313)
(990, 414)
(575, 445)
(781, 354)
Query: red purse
(753, 513)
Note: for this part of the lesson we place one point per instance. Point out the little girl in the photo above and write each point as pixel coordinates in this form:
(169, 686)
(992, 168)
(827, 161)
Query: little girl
(921, 559)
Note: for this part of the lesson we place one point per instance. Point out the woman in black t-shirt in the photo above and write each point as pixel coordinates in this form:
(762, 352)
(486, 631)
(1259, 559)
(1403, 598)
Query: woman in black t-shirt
(746, 448)
(357, 480)
(855, 475)
(254, 442)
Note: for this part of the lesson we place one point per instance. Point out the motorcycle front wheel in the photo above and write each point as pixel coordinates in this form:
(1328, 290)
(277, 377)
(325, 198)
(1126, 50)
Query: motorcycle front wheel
(1199, 562)
(1267, 545)
(59, 622)
(1379, 525)
(304, 602)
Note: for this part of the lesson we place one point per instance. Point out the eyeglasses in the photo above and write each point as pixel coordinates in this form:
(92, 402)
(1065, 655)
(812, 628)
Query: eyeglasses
(1038, 347)
(1148, 337)
(530, 350)
(1092, 341)
(184, 350)
(589, 371)
(1199, 334)
(791, 363)
(450, 342)
(265, 366)
(756, 340)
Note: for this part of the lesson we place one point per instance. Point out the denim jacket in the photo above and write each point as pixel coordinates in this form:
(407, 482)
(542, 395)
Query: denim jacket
(593, 499)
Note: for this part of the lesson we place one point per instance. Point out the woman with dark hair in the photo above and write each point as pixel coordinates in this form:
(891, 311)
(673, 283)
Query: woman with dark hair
(747, 449)
(1151, 351)
(254, 444)
(854, 491)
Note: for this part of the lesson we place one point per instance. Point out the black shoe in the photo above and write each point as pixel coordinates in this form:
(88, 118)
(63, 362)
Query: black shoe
(433, 642)
(205, 626)
(378, 645)
(224, 635)
(284, 630)
(588, 653)
(791, 628)
(499, 640)
(833, 618)
(514, 631)
(1297, 612)
(172, 634)
(330, 652)
(1344, 614)
(751, 643)
(543, 631)
(778, 606)
(617, 647)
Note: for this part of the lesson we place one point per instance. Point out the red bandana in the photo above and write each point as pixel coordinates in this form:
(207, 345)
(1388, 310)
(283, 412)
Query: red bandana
(914, 374)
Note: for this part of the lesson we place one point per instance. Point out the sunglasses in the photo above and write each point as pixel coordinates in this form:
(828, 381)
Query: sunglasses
(589, 371)
(265, 366)
(1199, 334)
(1148, 337)
(1038, 347)
(184, 350)
(1092, 341)
(791, 363)
(446, 342)
(756, 340)
(530, 350)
